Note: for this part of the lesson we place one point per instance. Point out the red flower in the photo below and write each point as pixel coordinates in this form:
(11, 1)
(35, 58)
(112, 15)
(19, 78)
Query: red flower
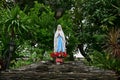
(53, 55)
(58, 54)
(64, 54)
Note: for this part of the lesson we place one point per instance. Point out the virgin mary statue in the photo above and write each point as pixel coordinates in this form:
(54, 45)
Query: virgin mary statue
(59, 40)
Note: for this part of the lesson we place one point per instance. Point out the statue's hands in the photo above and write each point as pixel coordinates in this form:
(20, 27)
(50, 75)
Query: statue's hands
(58, 35)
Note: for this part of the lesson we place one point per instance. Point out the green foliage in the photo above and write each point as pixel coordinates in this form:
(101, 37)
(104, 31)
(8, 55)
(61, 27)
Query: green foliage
(93, 19)
(99, 37)
(46, 56)
(54, 4)
(105, 61)
(14, 26)
(1, 3)
(108, 57)
(102, 12)
(26, 54)
(20, 63)
(13, 19)
(42, 21)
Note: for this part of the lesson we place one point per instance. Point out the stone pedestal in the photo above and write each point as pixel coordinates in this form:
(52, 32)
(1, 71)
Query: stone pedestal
(59, 60)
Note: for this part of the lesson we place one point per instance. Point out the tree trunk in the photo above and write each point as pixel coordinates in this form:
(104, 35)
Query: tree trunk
(81, 47)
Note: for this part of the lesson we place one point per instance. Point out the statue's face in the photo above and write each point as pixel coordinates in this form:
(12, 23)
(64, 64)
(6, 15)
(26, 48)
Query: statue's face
(59, 28)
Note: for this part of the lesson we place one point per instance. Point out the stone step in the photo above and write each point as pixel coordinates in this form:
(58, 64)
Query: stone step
(32, 75)
(49, 71)
(66, 68)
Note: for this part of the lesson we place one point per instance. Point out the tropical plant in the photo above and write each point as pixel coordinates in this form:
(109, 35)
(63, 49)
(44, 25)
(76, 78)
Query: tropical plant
(108, 58)
(112, 45)
(14, 25)
(105, 61)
